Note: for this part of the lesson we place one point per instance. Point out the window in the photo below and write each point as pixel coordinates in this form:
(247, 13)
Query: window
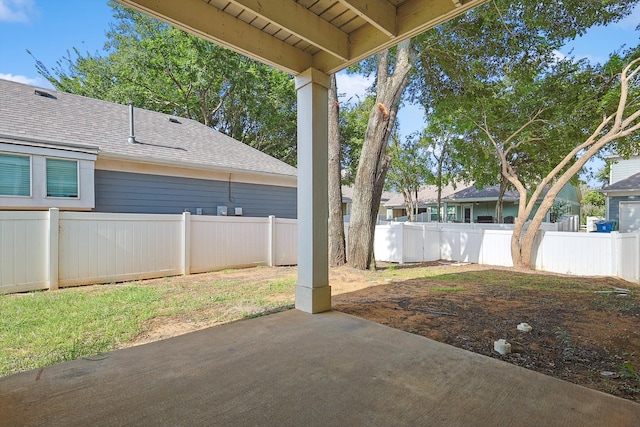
(451, 213)
(433, 213)
(62, 178)
(15, 175)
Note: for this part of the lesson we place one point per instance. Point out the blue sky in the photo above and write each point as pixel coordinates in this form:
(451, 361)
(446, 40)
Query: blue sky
(48, 28)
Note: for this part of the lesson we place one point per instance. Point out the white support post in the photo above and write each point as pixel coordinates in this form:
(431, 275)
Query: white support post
(313, 293)
(54, 230)
(272, 240)
(186, 243)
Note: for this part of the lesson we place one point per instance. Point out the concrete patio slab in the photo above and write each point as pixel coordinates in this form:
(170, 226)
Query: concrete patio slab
(294, 368)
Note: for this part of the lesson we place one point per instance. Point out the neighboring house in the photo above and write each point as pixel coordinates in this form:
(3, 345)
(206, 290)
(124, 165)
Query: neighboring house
(479, 205)
(469, 204)
(623, 194)
(427, 203)
(76, 153)
(347, 197)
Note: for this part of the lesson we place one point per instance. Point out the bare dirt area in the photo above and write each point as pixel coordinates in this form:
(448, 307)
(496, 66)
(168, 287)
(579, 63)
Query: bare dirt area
(583, 329)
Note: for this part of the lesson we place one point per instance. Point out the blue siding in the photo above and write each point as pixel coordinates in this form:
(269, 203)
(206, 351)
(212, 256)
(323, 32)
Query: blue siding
(614, 205)
(125, 192)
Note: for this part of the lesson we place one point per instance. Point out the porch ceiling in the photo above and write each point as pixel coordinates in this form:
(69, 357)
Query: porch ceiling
(294, 35)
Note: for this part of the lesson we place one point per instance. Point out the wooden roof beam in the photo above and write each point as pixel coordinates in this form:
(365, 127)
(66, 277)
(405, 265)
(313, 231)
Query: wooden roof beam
(379, 13)
(413, 19)
(302, 23)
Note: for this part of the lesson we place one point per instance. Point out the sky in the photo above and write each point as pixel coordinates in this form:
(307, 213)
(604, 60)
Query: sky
(51, 28)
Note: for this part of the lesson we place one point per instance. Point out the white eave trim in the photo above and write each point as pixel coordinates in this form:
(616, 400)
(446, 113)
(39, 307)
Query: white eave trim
(50, 144)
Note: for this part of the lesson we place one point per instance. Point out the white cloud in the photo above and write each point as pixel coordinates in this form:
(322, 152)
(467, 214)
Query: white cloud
(37, 81)
(559, 56)
(16, 10)
(352, 87)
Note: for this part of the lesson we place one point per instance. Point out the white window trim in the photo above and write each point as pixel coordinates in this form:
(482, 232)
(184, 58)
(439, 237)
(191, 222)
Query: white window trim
(30, 175)
(38, 199)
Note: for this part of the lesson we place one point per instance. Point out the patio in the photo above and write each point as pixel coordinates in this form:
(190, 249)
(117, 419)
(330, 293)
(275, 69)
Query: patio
(294, 368)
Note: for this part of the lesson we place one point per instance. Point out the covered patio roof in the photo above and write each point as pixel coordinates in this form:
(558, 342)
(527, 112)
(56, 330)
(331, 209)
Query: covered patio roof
(309, 39)
(295, 35)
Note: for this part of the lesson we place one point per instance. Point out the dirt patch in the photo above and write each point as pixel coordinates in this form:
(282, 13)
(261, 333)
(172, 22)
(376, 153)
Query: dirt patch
(580, 332)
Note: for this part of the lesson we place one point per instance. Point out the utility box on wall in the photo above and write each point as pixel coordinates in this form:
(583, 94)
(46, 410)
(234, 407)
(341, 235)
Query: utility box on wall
(222, 211)
(238, 211)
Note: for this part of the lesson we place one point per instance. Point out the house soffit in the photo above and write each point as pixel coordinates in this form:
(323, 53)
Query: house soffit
(294, 35)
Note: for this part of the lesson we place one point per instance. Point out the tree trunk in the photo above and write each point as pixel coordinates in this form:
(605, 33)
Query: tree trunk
(518, 226)
(374, 162)
(337, 255)
(613, 127)
(439, 180)
(500, 202)
(408, 204)
(439, 203)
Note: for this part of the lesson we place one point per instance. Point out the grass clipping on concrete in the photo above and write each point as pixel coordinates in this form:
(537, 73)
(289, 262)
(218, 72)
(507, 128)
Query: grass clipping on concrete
(43, 328)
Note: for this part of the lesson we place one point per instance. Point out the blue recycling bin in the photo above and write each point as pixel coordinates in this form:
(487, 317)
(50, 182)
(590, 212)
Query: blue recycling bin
(604, 226)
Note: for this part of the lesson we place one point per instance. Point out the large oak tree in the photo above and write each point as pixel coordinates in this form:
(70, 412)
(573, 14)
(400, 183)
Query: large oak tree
(391, 80)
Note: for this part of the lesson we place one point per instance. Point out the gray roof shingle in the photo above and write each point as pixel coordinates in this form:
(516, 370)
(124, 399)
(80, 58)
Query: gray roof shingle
(628, 184)
(347, 194)
(426, 195)
(488, 192)
(74, 119)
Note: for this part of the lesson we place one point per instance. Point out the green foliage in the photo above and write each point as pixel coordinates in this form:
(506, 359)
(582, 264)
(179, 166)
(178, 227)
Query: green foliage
(595, 198)
(164, 69)
(592, 204)
(627, 370)
(353, 127)
(496, 66)
(409, 168)
(614, 302)
(443, 137)
(565, 341)
(603, 174)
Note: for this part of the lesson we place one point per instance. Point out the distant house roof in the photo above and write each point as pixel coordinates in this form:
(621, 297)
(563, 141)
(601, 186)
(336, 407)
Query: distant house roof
(473, 194)
(347, 195)
(33, 116)
(569, 193)
(628, 184)
(426, 195)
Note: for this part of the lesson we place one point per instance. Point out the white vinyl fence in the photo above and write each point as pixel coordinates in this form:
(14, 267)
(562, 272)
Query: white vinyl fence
(587, 254)
(44, 250)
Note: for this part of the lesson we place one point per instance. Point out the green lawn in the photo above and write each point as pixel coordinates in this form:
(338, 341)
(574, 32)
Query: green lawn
(42, 328)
